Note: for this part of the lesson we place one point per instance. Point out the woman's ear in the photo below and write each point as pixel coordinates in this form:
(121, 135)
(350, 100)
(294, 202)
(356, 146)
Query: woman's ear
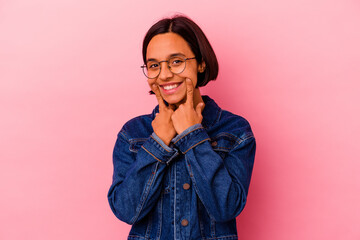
(201, 67)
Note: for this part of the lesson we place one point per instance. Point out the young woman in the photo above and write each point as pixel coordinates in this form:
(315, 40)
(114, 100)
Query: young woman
(183, 171)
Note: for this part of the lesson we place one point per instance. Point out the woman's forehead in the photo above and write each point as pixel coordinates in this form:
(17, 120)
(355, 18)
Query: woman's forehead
(167, 44)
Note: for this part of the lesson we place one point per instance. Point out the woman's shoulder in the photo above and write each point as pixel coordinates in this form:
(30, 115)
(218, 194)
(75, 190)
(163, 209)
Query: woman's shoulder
(139, 120)
(235, 124)
(231, 117)
(225, 121)
(138, 127)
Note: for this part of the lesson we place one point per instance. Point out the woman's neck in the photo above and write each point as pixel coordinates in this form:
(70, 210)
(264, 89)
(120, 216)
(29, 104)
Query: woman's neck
(196, 98)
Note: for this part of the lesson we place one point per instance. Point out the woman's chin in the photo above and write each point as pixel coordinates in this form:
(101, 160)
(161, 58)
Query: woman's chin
(173, 100)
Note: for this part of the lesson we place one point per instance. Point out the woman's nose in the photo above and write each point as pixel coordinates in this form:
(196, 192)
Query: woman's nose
(165, 72)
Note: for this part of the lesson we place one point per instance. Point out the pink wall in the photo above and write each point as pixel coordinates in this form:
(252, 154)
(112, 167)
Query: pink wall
(70, 77)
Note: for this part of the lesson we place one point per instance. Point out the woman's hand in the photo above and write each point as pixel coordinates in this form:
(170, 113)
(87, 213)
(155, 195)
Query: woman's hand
(162, 124)
(185, 115)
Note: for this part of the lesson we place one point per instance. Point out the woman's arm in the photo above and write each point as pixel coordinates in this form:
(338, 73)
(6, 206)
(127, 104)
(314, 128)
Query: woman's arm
(137, 177)
(221, 184)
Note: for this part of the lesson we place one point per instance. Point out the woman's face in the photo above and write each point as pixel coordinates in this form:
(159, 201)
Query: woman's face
(172, 86)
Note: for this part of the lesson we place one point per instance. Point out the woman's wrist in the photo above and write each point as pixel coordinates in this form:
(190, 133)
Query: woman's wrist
(164, 139)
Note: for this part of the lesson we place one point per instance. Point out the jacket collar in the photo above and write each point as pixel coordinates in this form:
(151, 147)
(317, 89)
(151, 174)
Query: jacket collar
(211, 113)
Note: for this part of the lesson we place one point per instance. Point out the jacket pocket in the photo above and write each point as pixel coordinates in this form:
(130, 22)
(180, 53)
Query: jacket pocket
(223, 143)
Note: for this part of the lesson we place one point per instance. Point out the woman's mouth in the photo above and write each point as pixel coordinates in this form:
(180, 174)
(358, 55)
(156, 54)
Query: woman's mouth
(170, 88)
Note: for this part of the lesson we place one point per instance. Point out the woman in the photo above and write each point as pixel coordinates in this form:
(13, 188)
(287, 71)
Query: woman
(183, 171)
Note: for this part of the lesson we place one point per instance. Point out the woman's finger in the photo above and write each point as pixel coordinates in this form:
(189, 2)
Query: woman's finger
(199, 108)
(160, 100)
(189, 93)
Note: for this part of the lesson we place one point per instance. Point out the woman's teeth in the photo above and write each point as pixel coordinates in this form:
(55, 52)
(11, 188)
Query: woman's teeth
(169, 87)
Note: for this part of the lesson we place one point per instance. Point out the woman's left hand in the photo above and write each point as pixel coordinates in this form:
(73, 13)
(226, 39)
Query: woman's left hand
(186, 115)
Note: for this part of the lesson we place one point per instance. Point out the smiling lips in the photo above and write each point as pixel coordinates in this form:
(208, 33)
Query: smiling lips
(170, 88)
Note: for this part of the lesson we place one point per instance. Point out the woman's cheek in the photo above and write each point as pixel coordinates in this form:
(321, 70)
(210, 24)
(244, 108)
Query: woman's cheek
(192, 75)
(151, 81)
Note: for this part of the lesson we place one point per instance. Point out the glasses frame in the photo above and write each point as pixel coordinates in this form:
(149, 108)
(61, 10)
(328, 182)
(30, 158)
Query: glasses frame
(168, 64)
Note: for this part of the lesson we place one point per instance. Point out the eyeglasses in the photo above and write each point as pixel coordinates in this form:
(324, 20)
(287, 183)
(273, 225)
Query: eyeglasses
(175, 64)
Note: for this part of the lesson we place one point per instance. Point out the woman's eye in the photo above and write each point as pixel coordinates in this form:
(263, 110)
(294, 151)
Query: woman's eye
(177, 62)
(153, 65)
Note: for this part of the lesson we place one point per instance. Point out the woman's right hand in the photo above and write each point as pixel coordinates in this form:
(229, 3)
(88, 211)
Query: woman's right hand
(162, 124)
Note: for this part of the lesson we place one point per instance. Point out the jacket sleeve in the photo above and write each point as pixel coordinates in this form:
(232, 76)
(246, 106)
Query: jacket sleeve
(221, 184)
(137, 176)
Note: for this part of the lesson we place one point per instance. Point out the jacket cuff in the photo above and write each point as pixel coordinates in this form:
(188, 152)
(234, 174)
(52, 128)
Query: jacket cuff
(159, 150)
(190, 138)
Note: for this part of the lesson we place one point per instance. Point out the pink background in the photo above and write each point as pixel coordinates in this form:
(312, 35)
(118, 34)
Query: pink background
(70, 78)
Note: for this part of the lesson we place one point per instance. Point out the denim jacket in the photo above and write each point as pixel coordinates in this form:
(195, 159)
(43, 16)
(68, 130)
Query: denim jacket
(192, 189)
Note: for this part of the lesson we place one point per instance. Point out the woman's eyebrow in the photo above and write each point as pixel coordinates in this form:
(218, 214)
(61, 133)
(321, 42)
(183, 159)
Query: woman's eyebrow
(170, 56)
(177, 54)
(151, 59)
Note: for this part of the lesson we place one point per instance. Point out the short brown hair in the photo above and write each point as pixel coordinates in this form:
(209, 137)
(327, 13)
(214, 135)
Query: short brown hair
(196, 39)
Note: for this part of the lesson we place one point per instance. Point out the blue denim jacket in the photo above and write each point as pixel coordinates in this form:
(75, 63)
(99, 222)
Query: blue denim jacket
(192, 189)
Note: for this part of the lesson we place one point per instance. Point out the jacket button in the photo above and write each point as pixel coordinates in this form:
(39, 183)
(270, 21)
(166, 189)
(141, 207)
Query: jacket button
(186, 186)
(214, 143)
(184, 222)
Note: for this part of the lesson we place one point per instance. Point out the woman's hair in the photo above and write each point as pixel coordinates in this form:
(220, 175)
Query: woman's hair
(196, 39)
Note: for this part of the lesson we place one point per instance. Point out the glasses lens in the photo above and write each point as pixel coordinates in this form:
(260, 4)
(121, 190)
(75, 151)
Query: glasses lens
(177, 64)
(152, 69)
